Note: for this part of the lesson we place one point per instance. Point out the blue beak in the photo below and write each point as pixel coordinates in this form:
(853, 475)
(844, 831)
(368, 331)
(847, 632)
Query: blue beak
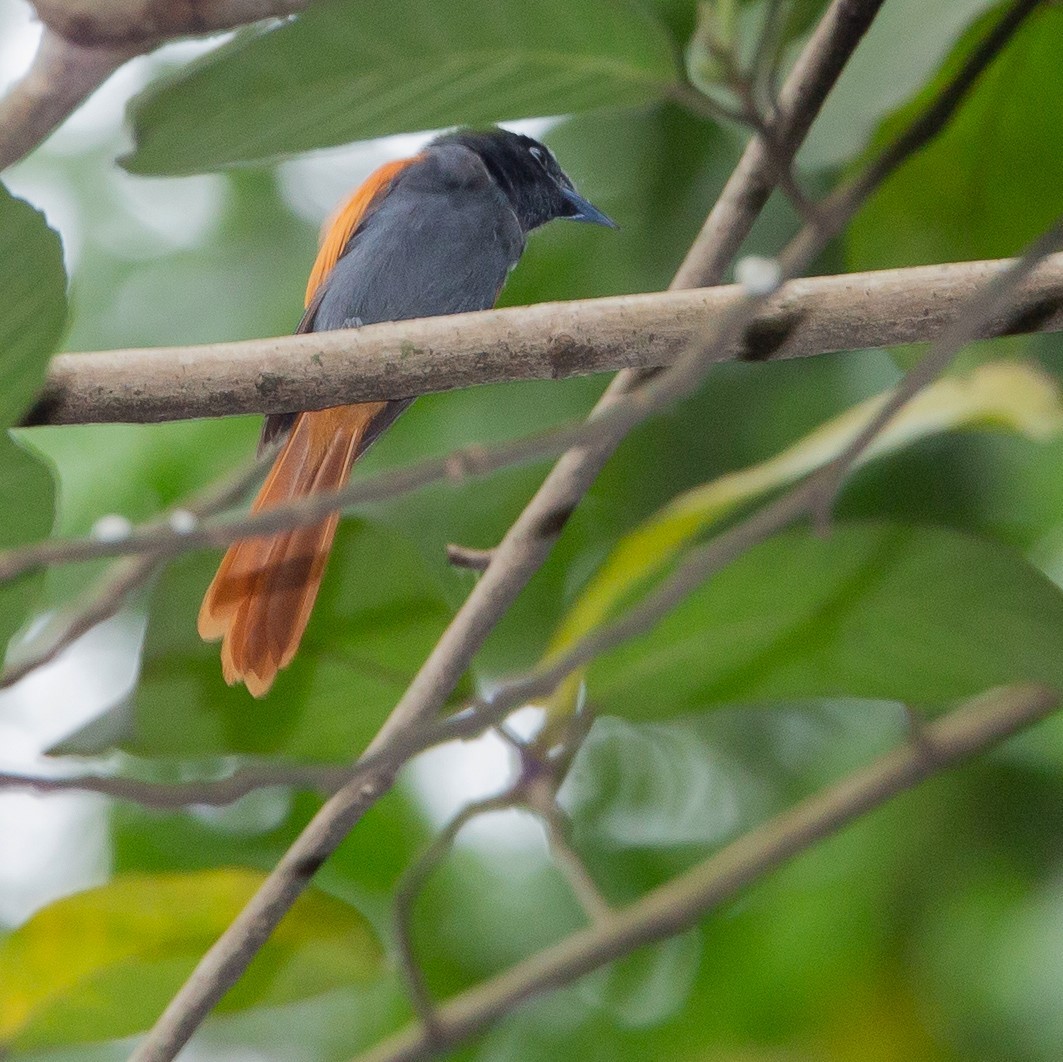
(586, 211)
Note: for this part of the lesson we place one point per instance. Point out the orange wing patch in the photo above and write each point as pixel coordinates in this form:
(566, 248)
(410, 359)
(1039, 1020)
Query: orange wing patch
(340, 227)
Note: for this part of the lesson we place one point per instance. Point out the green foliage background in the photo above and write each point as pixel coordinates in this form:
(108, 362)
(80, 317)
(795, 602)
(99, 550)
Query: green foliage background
(930, 931)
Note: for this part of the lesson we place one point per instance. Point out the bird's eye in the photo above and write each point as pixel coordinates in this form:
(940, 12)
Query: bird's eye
(539, 155)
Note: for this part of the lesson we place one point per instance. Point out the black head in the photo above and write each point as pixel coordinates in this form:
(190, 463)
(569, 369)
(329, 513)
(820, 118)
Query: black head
(529, 175)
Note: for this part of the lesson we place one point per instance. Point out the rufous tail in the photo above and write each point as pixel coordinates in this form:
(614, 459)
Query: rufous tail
(261, 598)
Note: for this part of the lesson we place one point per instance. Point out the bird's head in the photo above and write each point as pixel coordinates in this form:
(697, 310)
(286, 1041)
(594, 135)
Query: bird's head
(528, 173)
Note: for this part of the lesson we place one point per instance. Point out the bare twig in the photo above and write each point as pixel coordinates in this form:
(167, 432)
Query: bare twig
(171, 795)
(966, 732)
(540, 797)
(114, 589)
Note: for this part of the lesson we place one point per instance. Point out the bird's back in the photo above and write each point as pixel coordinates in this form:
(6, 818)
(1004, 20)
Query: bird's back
(441, 241)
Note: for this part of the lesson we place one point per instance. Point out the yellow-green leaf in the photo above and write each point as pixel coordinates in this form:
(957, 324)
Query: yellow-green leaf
(1008, 395)
(103, 963)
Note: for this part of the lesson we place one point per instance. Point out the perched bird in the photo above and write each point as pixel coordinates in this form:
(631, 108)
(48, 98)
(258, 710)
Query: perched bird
(433, 234)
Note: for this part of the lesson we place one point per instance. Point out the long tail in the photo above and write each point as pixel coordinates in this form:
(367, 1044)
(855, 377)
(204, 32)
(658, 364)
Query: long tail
(261, 598)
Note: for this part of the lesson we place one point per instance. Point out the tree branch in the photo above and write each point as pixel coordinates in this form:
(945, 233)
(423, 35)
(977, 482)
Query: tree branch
(85, 41)
(96, 23)
(62, 76)
(174, 795)
(548, 341)
(800, 100)
(966, 732)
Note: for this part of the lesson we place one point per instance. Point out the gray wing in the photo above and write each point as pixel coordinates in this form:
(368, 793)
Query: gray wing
(441, 241)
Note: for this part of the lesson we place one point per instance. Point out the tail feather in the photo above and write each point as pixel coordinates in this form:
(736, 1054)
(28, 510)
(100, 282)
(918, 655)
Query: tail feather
(260, 600)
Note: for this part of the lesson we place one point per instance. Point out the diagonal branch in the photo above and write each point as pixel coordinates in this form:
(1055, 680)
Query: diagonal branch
(85, 41)
(62, 76)
(966, 732)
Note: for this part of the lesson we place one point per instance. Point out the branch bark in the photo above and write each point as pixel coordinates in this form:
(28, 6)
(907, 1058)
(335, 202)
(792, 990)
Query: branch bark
(96, 23)
(62, 76)
(548, 341)
(85, 41)
(674, 907)
(755, 177)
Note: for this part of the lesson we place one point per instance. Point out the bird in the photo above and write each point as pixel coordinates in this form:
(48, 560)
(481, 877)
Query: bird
(436, 233)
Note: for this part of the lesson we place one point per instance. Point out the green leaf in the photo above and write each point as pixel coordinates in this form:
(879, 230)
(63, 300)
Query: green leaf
(33, 281)
(989, 184)
(27, 500)
(1005, 395)
(102, 964)
(916, 614)
(377, 616)
(354, 69)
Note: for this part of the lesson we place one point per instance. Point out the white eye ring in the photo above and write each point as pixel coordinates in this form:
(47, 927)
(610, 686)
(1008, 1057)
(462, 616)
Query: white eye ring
(539, 155)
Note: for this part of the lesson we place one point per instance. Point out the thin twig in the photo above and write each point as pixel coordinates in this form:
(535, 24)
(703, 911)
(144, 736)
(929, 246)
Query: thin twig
(111, 592)
(968, 731)
(409, 889)
(541, 799)
(174, 795)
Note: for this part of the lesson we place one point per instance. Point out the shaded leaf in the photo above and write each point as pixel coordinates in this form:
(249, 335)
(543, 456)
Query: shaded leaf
(103, 963)
(33, 312)
(1016, 397)
(916, 614)
(989, 184)
(350, 70)
(27, 501)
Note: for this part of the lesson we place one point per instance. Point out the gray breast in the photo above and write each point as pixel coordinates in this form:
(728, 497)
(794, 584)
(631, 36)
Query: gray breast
(441, 241)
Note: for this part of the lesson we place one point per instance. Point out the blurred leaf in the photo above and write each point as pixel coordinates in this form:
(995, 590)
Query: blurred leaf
(891, 64)
(1015, 397)
(989, 184)
(915, 614)
(103, 963)
(377, 616)
(354, 69)
(27, 500)
(33, 281)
